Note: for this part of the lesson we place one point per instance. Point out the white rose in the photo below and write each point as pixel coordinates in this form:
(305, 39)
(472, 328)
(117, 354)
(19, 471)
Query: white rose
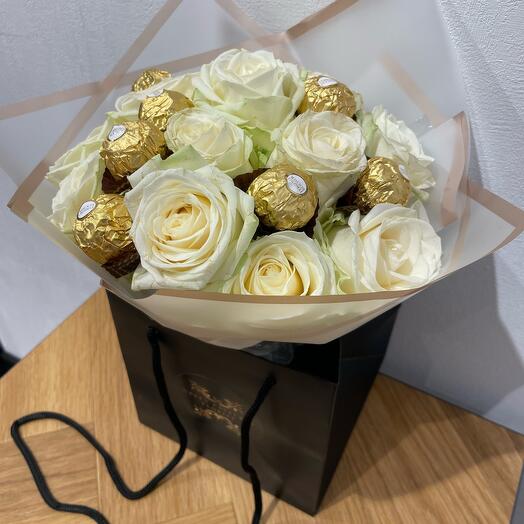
(399, 248)
(127, 106)
(80, 153)
(284, 263)
(255, 86)
(216, 139)
(391, 248)
(82, 183)
(190, 227)
(391, 138)
(328, 145)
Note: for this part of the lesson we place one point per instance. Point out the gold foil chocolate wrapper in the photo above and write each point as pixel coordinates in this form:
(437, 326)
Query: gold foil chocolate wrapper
(101, 231)
(158, 108)
(382, 182)
(285, 197)
(323, 93)
(149, 78)
(130, 145)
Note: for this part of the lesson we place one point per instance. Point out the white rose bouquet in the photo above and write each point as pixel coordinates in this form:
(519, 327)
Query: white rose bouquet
(250, 177)
(250, 198)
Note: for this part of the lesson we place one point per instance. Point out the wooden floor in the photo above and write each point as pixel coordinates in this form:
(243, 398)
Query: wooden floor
(411, 459)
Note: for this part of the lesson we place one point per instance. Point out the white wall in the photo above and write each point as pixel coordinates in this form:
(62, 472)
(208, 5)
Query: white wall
(463, 338)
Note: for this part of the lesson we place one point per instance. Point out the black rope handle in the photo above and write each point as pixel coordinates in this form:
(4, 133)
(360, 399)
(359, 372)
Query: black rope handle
(110, 463)
(122, 487)
(245, 430)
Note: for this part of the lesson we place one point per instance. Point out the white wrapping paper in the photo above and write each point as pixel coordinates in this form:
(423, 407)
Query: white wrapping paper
(395, 52)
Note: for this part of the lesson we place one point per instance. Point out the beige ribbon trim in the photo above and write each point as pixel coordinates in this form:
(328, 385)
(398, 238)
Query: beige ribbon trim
(42, 102)
(456, 173)
(458, 248)
(504, 209)
(265, 299)
(507, 211)
(457, 181)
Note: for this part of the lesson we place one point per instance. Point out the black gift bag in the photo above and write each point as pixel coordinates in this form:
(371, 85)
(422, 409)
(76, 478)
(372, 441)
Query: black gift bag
(300, 431)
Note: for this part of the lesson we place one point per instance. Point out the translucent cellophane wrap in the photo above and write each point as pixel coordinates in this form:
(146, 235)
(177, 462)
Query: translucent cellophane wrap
(395, 52)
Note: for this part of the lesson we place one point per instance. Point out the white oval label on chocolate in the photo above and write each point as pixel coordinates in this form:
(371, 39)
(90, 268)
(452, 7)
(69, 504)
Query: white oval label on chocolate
(325, 81)
(296, 184)
(85, 209)
(116, 132)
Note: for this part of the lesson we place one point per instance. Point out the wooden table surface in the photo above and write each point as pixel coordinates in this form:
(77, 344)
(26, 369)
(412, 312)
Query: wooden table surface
(411, 458)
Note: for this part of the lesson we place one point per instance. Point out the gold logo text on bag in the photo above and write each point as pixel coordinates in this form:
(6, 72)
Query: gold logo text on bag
(222, 410)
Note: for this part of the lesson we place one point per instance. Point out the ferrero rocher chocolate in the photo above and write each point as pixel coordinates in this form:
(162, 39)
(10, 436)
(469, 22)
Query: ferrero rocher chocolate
(382, 182)
(323, 93)
(157, 108)
(285, 197)
(149, 78)
(129, 146)
(101, 230)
